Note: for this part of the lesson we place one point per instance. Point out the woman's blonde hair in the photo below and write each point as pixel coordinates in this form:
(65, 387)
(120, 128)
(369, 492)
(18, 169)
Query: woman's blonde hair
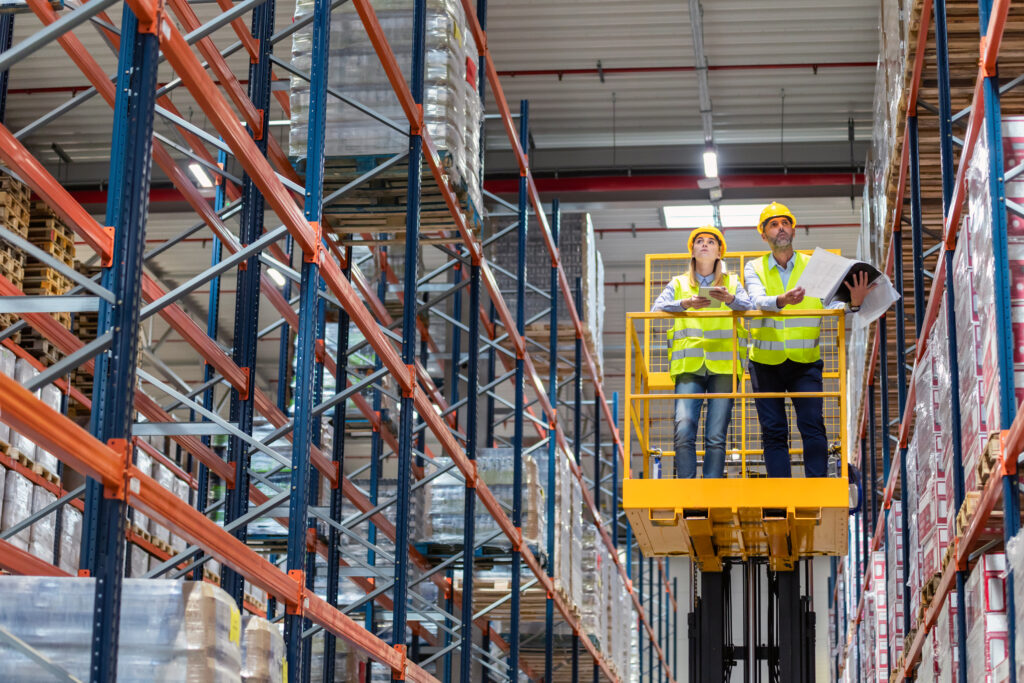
(720, 269)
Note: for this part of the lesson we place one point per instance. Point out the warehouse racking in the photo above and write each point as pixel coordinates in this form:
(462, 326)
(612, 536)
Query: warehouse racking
(329, 277)
(945, 81)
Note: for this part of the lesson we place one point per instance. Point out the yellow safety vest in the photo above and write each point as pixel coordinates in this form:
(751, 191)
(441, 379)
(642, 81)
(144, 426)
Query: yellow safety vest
(697, 342)
(790, 337)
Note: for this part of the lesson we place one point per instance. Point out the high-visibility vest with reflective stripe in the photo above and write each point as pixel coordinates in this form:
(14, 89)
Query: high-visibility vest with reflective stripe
(697, 342)
(794, 337)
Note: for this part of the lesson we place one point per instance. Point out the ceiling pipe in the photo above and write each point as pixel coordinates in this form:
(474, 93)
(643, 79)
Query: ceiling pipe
(612, 71)
(674, 182)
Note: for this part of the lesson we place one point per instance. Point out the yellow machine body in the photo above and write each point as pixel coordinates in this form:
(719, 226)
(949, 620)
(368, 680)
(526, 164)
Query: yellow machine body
(744, 515)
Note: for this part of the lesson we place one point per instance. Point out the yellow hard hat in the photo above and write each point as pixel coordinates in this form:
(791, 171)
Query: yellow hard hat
(774, 210)
(708, 230)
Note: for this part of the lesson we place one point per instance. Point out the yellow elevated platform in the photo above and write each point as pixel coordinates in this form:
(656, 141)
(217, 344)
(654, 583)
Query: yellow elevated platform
(744, 515)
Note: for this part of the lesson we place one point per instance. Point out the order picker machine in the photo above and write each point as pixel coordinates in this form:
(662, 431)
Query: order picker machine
(744, 527)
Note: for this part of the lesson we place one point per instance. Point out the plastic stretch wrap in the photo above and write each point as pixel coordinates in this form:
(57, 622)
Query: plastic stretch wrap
(138, 561)
(447, 495)
(263, 659)
(41, 543)
(590, 581)
(70, 539)
(579, 258)
(894, 578)
(347, 662)
(169, 630)
(1015, 562)
(51, 396)
(181, 489)
(23, 374)
(948, 660)
(987, 628)
(7, 368)
(451, 102)
(144, 463)
(16, 507)
(165, 478)
(927, 670)
(576, 541)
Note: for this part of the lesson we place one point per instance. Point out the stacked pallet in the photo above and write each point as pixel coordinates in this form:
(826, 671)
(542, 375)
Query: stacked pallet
(14, 216)
(49, 233)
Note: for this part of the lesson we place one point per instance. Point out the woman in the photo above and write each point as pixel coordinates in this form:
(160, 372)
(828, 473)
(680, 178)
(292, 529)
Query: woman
(701, 350)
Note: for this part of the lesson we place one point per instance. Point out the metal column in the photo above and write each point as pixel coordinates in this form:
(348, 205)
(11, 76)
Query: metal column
(615, 475)
(405, 426)
(114, 382)
(1004, 321)
(308, 332)
(338, 457)
(469, 519)
(948, 182)
(247, 299)
(549, 605)
(517, 439)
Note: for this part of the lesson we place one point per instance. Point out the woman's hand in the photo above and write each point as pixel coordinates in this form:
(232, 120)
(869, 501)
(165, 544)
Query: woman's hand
(722, 294)
(859, 289)
(696, 302)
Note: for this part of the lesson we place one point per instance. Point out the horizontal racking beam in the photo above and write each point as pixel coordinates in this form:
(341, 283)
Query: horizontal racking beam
(22, 411)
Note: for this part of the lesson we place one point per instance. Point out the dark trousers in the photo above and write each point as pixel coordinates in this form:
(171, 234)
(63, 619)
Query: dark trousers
(792, 377)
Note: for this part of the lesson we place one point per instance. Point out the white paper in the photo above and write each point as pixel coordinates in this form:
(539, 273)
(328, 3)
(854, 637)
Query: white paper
(704, 292)
(879, 298)
(823, 273)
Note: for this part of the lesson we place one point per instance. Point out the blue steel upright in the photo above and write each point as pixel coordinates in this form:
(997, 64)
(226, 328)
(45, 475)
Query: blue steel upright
(247, 297)
(131, 162)
(948, 182)
(469, 516)
(615, 473)
(308, 330)
(1004, 321)
(406, 409)
(6, 36)
(549, 604)
(517, 439)
(338, 457)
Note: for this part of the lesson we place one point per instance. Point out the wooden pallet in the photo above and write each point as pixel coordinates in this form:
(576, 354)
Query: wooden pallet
(14, 218)
(989, 458)
(929, 588)
(966, 512)
(41, 279)
(378, 206)
(533, 603)
(42, 349)
(12, 265)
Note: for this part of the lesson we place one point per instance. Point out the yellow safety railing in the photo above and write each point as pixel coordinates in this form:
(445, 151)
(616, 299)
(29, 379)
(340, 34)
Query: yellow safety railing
(650, 393)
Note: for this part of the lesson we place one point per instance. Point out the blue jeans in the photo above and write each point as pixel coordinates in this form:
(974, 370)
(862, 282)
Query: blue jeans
(716, 424)
(790, 376)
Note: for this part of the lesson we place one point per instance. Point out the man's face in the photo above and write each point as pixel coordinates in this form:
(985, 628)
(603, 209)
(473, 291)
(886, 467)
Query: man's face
(779, 232)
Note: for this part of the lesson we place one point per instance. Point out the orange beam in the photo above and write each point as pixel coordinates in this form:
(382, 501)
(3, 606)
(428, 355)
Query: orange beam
(23, 563)
(28, 168)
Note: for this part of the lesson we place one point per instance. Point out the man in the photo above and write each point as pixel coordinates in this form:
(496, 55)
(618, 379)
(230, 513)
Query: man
(784, 351)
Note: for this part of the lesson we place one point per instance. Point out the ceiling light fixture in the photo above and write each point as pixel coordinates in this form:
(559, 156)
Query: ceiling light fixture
(276, 276)
(199, 173)
(710, 163)
(687, 216)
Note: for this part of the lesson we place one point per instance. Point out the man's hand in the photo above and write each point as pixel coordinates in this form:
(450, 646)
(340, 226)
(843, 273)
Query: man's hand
(695, 302)
(859, 289)
(722, 294)
(792, 297)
